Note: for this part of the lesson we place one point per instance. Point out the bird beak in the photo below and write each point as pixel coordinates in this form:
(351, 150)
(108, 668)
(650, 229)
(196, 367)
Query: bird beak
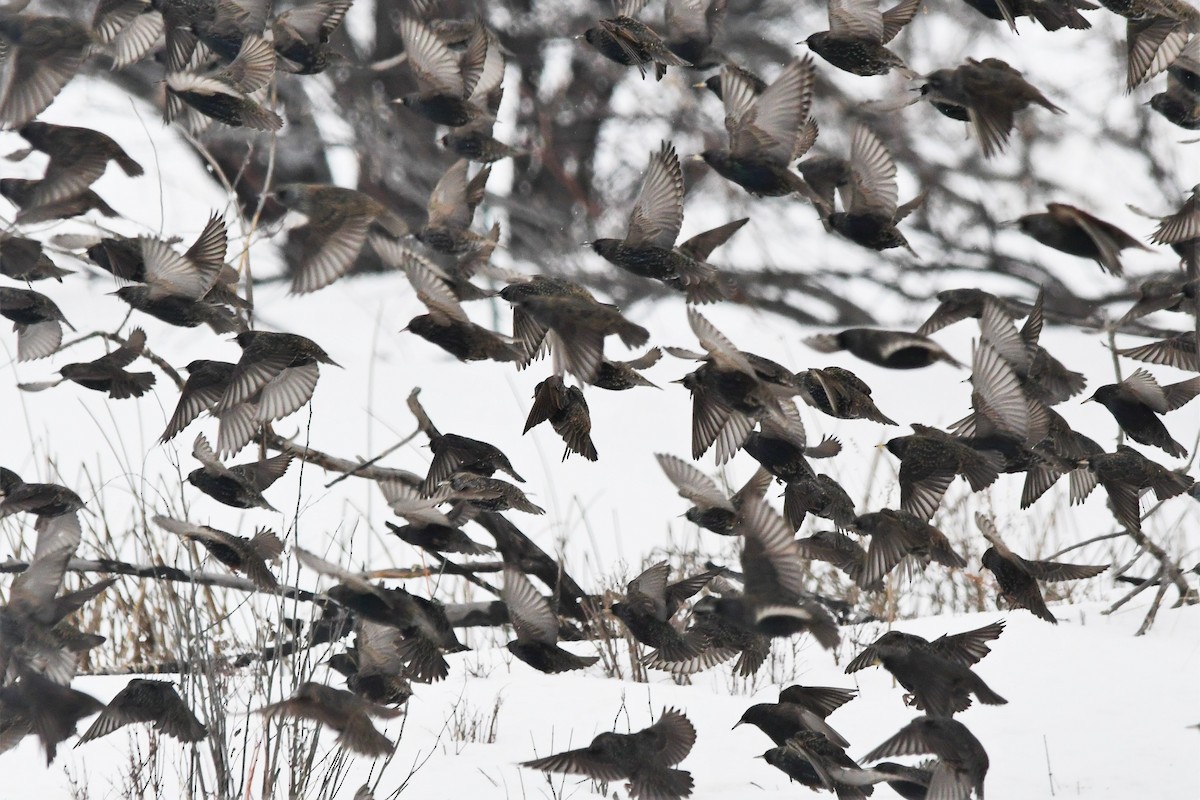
(1091, 399)
(700, 85)
(695, 157)
(585, 244)
(881, 446)
(1008, 223)
(739, 722)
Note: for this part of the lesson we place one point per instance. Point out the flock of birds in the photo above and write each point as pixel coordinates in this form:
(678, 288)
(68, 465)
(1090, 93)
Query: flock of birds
(219, 56)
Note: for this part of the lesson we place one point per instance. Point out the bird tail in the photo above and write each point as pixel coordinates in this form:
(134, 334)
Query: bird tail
(132, 168)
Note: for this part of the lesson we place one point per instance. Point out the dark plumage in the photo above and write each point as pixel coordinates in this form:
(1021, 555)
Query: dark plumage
(566, 409)
(857, 35)
(627, 41)
(224, 93)
(24, 259)
(301, 35)
(959, 304)
(452, 89)
(37, 320)
(1125, 475)
(966, 648)
(962, 762)
(776, 602)
(206, 383)
(108, 374)
(841, 551)
(1043, 377)
(767, 131)
(42, 54)
(713, 510)
(648, 249)
(1177, 351)
(279, 368)
(891, 349)
(645, 758)
(20, 191)
(896, 535)
(820, 495)
(941, 687)
(692, 25)
(148, 701)
(487, 494)
(451, 208)
(1050, 14)
(453, 453)
(36, 705)
(929, 461)
(240, 486)
(840, 393)
(536, 627)
(987, 94)
(346, 713)
(1018, 577)
(1076, 232)
(78, 157)
(331, 239)
(648, 607)
(240, 554)
(802, 712)
(816, 761)
(1137, 402)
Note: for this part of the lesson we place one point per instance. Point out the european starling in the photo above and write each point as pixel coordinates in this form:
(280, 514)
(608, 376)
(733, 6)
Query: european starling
(536, 627)
(626, 41)
(1018, 578)
(46, 500)
(460, 454)
(567, 411)
(206, 383)
(962, 762)
(374, 669)
(578, 321)
(870, 212)
(345, 712)
(1050, 14)
(41, 55)
(240, 486)
(820, 495)
(1074, 231)
(451, 208)
(127, 30)
(427, 634)
(1061, 451)
(732, 391)
(1043, 376)
(1154, 42)
(692, 25)
(767, 132)
(19, 191)
(166, 273)
(804, 709)
(857, 34)
(647, 609)
(645, 758)
(78, 157)
(474, 141)
(223, 28)
(891, 349)
(301, 35)
(744, 81)
(911, 783)
(839, 550)
(36, 705)
(447, 324)
(712, 511)
(487, 494)
(1180, 103)
(224, 93)
(333, 236)
(941, 687)
(1125, 475)
(840, 393)
(280, 366)
(148, 701)
(236, 552)
(447, 83)
(107, 374)
(776, 602)
(1136, 403)
(648, 249)
(37, 320)
(818, 762)
(929, 460)
(1003, 418)
(438, 538)
(1177, 351)
(783, 458)
(966, 648)
(405, 500)
(1172, 291)
(722, 639)
(959, 304)
(986, 93)
(24, 260)
(895, 535)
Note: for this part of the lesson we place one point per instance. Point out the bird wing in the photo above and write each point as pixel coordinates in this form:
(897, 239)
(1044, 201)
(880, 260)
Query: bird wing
(693, 484)
(771, 558)
(657, 214)
(433, 64)
(873, 182)
(1058, 571)
(530, 614)
(579, 762)
(676, 735)
(858, 19)
(772, 123)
